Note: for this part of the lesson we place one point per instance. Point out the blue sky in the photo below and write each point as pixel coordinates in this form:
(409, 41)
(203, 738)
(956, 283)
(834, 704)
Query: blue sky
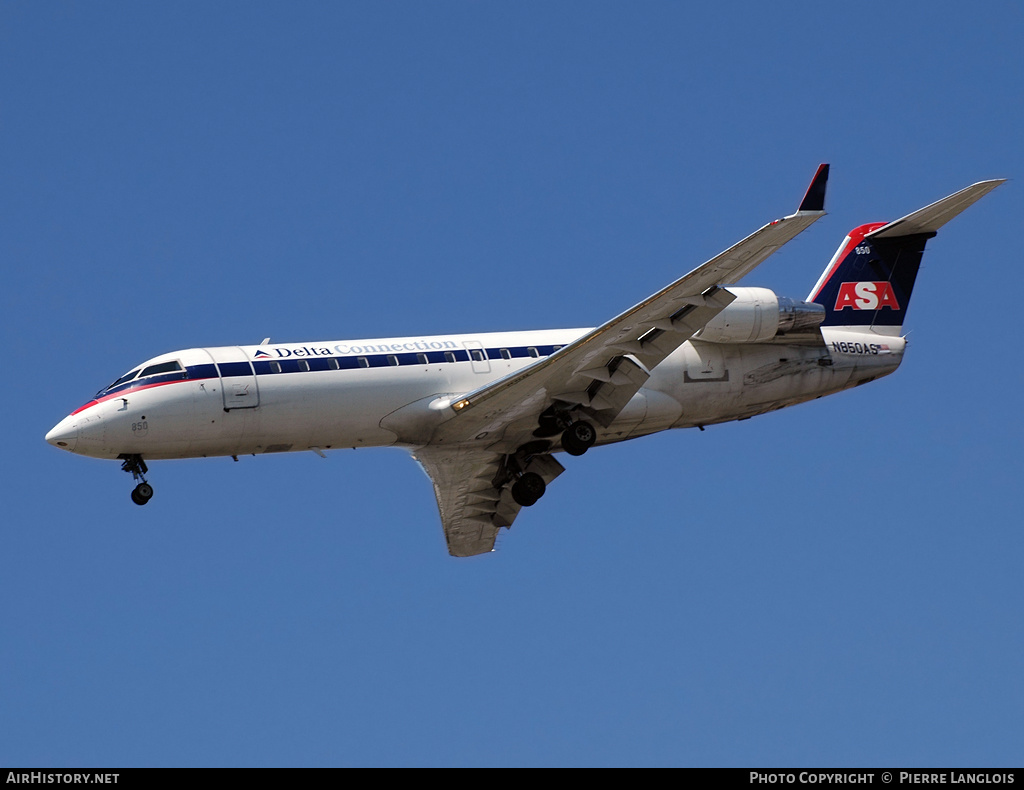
(835, 584)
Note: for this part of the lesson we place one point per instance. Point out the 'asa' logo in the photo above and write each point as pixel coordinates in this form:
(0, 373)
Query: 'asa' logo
(866, 296)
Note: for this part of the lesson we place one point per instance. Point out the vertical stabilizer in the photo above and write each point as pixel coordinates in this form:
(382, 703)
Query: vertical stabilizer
(868, 282)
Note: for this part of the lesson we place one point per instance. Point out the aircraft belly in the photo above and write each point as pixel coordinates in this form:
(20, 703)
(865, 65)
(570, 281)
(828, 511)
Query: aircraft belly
(319, 410)
(734, 381)
(773, 376)
(326, 411)
(628, 420)
(662, 412)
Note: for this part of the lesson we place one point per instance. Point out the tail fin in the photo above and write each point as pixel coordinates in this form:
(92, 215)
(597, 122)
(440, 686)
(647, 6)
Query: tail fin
(869, 280)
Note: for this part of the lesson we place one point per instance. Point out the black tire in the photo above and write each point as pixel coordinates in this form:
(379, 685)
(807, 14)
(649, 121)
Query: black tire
(578, 438)
(142, 493)
(528, 489)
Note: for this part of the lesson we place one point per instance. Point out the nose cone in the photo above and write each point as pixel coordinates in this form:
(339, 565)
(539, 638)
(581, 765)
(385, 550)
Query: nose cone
(64, 434)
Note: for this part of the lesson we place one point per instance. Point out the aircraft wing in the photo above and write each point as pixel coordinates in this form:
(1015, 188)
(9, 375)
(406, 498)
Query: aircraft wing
(472, 508)
(602, 370)
(598, 373)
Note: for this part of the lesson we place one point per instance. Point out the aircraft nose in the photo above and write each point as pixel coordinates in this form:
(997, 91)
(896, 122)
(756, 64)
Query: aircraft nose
(64, 434)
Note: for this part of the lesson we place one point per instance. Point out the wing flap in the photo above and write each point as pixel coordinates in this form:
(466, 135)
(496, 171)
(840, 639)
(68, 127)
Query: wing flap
(490, 431)
(648, 332)
(472, 509)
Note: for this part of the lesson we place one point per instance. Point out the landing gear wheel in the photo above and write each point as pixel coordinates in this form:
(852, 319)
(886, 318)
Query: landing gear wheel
(528, 489)
(142, 493)
(578, 438)
(134, 464)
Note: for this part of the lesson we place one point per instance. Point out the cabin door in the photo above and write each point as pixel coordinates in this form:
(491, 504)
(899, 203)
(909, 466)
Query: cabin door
(237, 378)
(478, 356)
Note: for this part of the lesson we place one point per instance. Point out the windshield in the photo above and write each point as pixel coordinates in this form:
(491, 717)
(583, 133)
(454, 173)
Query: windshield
(124, 378)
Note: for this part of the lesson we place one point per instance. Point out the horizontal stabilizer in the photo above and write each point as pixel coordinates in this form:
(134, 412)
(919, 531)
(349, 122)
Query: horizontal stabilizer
(930, 218)
(869, 280)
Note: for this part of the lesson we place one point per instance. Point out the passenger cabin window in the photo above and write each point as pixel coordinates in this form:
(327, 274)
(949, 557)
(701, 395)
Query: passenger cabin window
(506, 354)
(477, 354)
(275, 366)
(303, 364)
(392, 359)
(533, 352)
(332, 363)
(363, 362)
(163, 367)
(449, 356)
(421, 358)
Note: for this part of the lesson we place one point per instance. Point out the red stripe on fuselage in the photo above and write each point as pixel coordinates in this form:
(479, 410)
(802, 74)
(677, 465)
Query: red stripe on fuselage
(122, 393)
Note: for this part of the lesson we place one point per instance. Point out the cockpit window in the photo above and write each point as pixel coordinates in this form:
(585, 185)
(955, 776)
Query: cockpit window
(163, 367)
(124, 378)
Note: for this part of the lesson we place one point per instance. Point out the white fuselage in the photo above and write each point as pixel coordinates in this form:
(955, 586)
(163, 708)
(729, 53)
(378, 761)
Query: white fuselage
(396, 391)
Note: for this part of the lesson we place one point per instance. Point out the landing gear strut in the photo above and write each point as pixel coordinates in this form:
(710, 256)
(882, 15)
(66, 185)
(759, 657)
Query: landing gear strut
(143, 492)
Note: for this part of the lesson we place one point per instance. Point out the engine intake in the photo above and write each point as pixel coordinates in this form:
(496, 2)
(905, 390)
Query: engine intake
(758, 315)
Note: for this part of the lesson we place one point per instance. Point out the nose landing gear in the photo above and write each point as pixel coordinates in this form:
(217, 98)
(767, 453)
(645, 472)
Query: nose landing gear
(143, 492)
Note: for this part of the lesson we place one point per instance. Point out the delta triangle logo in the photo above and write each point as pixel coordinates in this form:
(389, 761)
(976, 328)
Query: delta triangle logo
(260, 353)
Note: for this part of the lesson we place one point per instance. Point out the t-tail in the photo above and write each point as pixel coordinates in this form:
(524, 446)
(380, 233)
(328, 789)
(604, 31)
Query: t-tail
(868, 282)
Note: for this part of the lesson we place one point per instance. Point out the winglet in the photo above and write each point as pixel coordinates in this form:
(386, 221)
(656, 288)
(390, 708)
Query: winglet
(814, 200)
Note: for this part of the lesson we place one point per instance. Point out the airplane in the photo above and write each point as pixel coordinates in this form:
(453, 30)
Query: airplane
(486, 414)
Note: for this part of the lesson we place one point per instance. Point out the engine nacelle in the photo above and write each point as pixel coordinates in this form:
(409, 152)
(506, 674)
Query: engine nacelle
(757, 315)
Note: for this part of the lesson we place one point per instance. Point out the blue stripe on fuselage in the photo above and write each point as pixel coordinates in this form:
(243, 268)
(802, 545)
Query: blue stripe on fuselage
(262, 366)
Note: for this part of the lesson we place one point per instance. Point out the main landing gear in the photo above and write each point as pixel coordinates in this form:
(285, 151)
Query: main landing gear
(143, 492)
(528, 489)
(578, 436)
